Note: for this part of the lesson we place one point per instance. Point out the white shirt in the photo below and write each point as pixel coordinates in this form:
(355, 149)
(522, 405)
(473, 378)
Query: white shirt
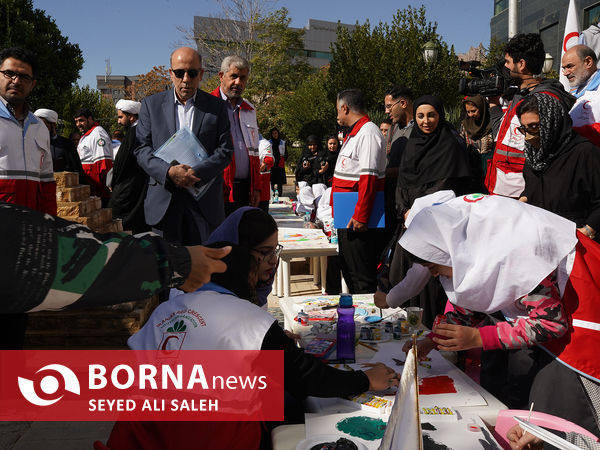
(184, 114)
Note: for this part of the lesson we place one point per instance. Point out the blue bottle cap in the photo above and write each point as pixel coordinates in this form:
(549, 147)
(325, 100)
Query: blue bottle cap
(345, 301)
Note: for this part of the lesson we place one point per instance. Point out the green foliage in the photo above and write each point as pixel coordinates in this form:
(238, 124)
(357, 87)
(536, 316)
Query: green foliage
(275, 69)
(495, 53)
(60, 61)
(307, 110)
(373, 59)
(102, 109)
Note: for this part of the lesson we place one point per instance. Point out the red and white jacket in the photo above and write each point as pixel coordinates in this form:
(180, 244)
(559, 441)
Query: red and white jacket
(26, 174)
(360, 167)
(249, 130)
(265, 155)
(95, 152)
(505, 172)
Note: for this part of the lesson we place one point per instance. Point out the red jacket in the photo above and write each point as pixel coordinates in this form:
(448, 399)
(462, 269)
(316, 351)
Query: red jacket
(251, 137)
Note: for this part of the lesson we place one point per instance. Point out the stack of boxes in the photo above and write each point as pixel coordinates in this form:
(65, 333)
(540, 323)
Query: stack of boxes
(75, 204)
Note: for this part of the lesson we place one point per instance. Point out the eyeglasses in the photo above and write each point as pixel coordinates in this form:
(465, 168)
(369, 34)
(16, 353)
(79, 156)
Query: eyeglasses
(389, 107)
(533, 129)
(14, 75)
(180, 73)
(270, 254)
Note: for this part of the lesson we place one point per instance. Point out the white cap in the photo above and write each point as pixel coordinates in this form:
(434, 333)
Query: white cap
(48, 114)
(128, 106)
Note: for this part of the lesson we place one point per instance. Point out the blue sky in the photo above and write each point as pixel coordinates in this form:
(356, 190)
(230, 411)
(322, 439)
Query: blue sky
(137, 35)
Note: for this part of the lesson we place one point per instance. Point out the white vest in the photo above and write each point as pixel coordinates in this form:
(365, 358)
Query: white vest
(204, 320)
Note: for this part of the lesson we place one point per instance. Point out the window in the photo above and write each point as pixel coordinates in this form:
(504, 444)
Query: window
(591, 15)
(499, 6)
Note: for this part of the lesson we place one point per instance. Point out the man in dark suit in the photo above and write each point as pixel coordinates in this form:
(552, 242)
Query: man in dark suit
(168, 206)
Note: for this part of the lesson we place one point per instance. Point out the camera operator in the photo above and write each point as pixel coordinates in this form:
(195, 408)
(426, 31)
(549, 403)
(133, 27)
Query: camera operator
(524, 59)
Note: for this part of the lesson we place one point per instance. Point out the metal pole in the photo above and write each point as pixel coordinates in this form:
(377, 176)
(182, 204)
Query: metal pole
(513, 15)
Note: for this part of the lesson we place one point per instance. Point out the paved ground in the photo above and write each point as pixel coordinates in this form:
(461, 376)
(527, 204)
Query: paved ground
(81, 435)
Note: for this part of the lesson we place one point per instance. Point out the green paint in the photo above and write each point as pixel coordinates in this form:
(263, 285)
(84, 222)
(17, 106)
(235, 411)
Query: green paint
(363, 427)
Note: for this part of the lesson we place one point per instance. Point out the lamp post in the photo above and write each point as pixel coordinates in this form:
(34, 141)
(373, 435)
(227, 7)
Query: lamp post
(430, 52)
(548, 61)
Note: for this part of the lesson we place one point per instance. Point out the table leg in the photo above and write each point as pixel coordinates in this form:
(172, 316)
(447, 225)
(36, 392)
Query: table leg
(280, 279)
(344, 285)
(286, 277)
(316, 270)
(323, 274)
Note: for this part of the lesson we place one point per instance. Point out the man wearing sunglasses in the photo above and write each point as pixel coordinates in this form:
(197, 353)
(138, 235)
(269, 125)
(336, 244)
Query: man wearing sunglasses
(242, 177)
(169, 207)
(26, 174)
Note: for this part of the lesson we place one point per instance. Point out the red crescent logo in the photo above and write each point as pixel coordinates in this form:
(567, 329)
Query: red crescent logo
(585, 105)
(568, 37)
(164, 346)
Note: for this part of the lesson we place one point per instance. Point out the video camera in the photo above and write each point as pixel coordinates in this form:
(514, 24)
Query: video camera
(487, 82)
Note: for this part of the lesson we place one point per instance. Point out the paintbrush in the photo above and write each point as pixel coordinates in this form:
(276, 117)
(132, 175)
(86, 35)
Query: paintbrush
(528, 418)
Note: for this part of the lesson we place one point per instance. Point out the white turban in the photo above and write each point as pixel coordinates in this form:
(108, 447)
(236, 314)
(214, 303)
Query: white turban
(129, 106)
(48, 114)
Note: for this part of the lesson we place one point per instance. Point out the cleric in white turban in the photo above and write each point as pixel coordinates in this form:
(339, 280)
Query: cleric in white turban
(48, 114)
(129, 106)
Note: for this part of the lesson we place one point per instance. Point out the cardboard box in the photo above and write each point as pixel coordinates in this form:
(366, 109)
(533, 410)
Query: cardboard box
(66, 179)
(73, 194)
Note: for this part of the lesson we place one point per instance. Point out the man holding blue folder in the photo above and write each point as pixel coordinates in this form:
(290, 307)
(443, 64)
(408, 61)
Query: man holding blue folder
(360, 168)
(169, 207)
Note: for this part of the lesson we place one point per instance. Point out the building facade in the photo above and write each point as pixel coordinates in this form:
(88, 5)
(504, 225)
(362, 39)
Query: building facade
(219, 34)
(547, 17)
(113, 87)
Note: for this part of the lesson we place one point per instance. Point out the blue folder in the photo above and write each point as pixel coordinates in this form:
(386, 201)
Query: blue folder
(343, 209)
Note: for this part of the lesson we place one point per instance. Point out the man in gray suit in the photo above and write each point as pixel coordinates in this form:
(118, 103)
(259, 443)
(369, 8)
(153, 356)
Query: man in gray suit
(168, 206)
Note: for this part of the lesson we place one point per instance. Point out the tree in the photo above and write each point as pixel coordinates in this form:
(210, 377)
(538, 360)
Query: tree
(233, 32)
(371, 60)
(308, 110)
(275, 66)
(60, 61)
(102, 108)
(267, 42)
(153, 82)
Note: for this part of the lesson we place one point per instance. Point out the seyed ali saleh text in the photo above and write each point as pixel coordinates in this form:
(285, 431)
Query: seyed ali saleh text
(154, 405)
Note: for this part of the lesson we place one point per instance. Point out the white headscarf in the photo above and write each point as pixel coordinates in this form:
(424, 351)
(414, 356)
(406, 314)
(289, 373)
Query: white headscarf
(499, 249)
(129, 106)
(427, 200)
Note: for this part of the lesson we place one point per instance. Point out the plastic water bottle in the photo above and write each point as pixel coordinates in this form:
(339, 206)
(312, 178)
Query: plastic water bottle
(306, 220)
(334, 237)
(345, 329)
(276, 196)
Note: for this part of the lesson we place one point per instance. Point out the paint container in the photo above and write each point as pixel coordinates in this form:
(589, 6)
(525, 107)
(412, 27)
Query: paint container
(376, 333)
(397, 333)
(365, 334)
(389, 327)
(302, 317)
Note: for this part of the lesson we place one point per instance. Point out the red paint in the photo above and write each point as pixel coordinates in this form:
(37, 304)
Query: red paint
(437, 385)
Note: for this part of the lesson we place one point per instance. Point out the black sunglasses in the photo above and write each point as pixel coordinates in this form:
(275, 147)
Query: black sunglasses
(533, 129)
(180, 73)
